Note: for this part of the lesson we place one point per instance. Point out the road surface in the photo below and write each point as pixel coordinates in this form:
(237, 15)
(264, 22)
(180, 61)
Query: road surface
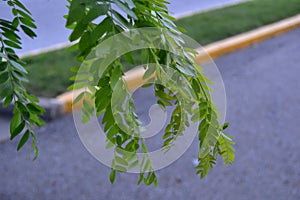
(263, 94)
(4, 125)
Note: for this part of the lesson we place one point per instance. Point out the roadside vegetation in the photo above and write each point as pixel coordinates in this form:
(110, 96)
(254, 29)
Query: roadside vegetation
(50, 72)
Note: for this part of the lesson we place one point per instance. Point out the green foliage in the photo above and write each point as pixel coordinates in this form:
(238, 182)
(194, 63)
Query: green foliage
(239, 18)
(112, 176)
(92, 22)
(121, 123)
(13, 75)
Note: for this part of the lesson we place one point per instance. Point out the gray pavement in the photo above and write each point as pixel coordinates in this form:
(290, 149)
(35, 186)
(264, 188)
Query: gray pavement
(53, 110)
(263, 94)
(4, 126)
(49, 18)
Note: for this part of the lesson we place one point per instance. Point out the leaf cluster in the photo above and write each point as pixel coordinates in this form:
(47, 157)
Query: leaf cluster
(13, 75)
(177, 81)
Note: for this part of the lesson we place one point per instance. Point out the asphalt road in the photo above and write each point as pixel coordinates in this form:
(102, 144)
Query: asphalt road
(263, 96)
(51, 24)
(4, 126)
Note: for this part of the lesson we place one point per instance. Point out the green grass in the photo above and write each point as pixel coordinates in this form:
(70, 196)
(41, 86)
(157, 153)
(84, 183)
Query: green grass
(225, 22)
(50, 72)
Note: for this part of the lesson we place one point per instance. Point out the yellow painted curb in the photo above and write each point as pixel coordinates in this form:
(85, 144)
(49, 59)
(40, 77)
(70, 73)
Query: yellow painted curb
(134, 77)
(67, 99)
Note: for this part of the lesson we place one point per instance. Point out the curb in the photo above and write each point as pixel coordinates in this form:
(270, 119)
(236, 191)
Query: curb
(134, 77)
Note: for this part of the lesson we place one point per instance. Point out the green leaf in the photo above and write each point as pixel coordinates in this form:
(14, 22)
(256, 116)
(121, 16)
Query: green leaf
(119, 140)
(36, 120)
(85, 41)
(103, 98)
(96, 11)
(120, 168)
(225, 125)
(155, 184)
(87, 111)
(199, 114)
(78, 31)
(186, 70)
(78, 98)
(7, 101)
(205, 165)
(133, 165)
(17, 75)
(150, 71)
(163, 95)
(18, 3)
(209, 141)
(28, 31)
(151, 177)
(121, 20)
(22, 109)
(27, 22)
(18, 66)
(141, 178)
(11, 53)
(12, 36)
(129, 58)
(23, 140)
(115, 77)
(76, 12)
(164, 103)
(3, 77)
(17, 130)
(6, 90)
(227, 152)
(16, 120)
(144, 148)
(147, 166)
(167, 141)
(112, 132)
(130, 3)
(2, 55)
(10, 3)
(103, 27)
(15, 22)
(23, 14)
(12, 44)
(147, 84)
(112, 176)
(35, 109)
(15, 12)
(126, 9)
(34, 146)
(121, 161)
(6, 25)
